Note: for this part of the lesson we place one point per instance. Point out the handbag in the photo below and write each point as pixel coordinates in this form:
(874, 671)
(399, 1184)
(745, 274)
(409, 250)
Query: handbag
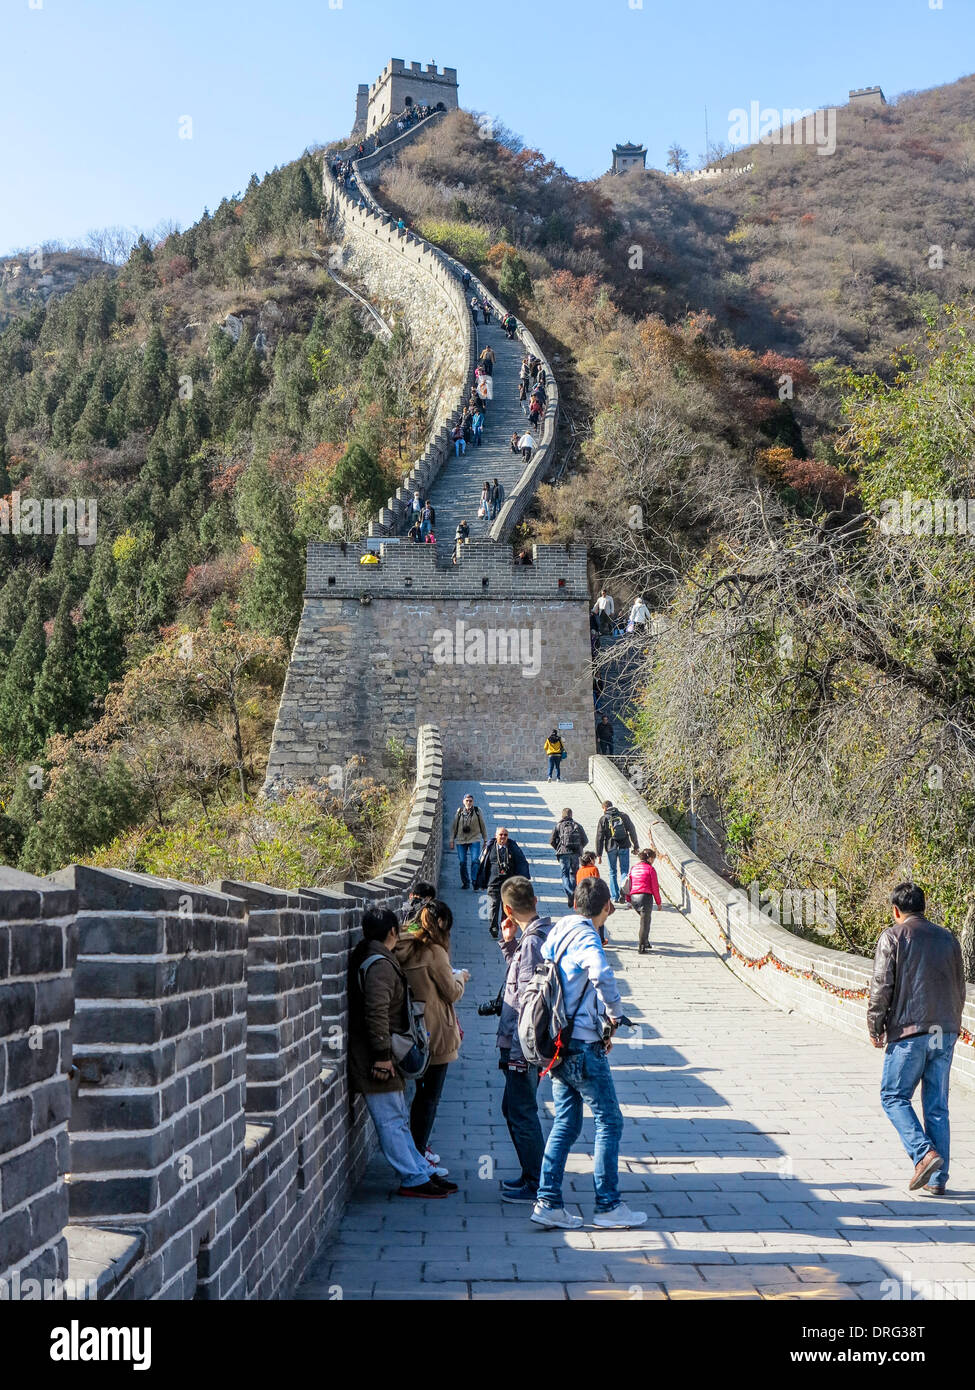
(411, 1050)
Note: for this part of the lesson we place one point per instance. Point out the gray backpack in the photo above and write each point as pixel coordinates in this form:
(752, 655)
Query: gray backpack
(544, 1026)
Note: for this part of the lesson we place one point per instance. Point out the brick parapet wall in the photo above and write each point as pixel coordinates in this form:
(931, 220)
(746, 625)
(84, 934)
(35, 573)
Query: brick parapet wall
(716, 908)
(211, 1122)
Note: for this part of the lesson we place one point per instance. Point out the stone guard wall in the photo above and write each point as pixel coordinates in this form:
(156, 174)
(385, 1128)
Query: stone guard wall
(727, 919)
(213, 1141)
(379, 653)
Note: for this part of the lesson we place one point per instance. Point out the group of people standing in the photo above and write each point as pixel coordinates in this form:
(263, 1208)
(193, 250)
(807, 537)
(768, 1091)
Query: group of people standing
(397, 963)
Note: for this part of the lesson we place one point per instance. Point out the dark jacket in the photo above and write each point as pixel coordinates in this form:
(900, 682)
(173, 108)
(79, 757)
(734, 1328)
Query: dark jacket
(522, 956)
(489, 873)
(918, 981)
(377, 1007)
(568, 837)
(604, 839)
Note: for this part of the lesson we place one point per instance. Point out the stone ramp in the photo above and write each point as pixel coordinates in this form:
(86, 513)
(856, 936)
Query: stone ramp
(456, 492)
(754, 1139)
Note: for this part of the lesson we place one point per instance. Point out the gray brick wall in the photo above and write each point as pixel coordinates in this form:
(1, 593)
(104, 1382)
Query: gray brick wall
(38, 940)
(212, 1120)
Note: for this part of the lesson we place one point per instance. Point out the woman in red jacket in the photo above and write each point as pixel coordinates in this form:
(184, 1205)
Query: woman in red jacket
(644, 891)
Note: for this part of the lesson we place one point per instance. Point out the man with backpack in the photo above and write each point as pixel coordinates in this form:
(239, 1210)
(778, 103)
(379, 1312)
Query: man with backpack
(615, 834)
(568, 841)
(589, 998)
(467, 835)
(502, 859)
(379, 1019)
(519, 1105)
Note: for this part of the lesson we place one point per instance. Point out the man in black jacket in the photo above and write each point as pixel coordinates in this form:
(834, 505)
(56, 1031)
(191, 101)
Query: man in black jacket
(615, 834)
(569, 840)
(503, 858)
(916, 999)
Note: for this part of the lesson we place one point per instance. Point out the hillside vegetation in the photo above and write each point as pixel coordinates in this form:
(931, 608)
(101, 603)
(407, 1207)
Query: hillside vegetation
(220, 403)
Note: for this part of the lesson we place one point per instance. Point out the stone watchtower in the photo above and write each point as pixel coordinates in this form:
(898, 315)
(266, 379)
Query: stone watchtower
(868, 96)
(628, 157)
(398, 87)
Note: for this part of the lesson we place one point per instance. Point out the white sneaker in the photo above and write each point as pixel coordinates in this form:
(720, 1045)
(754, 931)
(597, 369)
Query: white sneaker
(619, 1218)
(550, 1217)
(431, 1157)
(442, 1173)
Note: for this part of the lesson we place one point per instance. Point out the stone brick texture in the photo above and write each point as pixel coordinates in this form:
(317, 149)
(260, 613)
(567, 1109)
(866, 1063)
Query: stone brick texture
(38, 942)
(181, 1052)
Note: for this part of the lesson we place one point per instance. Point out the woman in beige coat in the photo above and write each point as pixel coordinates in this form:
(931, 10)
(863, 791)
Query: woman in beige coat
(423, 952)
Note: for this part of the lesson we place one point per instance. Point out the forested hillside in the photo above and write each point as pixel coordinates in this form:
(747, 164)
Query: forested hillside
(216, 402)
(753, 369)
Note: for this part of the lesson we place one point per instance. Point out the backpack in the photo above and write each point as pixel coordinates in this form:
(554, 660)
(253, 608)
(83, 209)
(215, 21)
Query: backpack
(411, 1050)
(617, 829)
(544, 1028)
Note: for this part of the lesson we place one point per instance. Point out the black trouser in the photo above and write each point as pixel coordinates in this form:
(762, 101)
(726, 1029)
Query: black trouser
(519, 1106)
(643, 902)
(603, 747)
(423, 1111)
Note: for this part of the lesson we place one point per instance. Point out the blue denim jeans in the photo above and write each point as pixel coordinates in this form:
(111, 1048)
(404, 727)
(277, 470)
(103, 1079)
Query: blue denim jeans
(474, 850)
(570, 865)
(392, 1121)
(519, 1106)
(620, 858)
(906, 1064)
(583, 1078)
(555, 766)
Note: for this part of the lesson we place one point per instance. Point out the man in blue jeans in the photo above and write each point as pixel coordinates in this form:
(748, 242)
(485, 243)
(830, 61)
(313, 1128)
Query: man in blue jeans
(917, 994)
(592, 1002)
(519, 1105)
(615, 834)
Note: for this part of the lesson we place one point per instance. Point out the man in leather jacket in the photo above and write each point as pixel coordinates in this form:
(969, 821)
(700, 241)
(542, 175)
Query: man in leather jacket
(917, 994)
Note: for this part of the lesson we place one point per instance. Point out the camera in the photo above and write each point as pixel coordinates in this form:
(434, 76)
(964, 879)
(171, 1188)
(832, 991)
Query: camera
(491, 1008)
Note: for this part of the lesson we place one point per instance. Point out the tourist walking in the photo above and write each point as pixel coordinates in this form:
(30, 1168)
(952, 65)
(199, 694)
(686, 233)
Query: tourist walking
(519, 1104)
(467, 836)
(615, 835)
(423, 952)
(587, 867)
(642, 891)
(460, 443)
(555, 751)
(568, 840)
(604, 736)
(639, 618)
(605, 611)
(917, 994)
(527, 446)
(484, 510)
(497, 498)
(377, 1009)
(503, 858)
(523, 396)
(583, 1077)
(461, 536)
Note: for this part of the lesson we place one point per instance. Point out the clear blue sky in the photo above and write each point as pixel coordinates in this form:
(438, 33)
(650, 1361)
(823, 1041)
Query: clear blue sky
(93, 90)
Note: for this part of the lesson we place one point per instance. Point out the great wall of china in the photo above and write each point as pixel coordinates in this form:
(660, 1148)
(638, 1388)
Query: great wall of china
(174, 1115)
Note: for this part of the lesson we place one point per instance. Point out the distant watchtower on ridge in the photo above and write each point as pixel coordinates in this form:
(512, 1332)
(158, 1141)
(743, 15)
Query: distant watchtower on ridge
(628, 157)
(398, 87)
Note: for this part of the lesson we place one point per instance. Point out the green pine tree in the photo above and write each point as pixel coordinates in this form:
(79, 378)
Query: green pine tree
(21, 734)
(59, 702)
(99, 651)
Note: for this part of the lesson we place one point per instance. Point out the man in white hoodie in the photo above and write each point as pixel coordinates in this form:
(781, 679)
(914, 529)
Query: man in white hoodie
(592, 1001)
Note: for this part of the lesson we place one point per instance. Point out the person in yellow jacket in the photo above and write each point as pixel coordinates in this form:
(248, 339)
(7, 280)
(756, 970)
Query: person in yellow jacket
(555, 749)
(369, 559)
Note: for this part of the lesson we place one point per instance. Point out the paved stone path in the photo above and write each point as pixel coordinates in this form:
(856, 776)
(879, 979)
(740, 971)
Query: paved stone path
(456, 494)
(754, 1139)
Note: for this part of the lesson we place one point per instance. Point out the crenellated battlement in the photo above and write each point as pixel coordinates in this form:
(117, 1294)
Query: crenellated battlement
(484, 570)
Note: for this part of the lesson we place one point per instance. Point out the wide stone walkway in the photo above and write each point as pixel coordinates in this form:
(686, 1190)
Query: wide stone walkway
(456, 493)
(754, 1139)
